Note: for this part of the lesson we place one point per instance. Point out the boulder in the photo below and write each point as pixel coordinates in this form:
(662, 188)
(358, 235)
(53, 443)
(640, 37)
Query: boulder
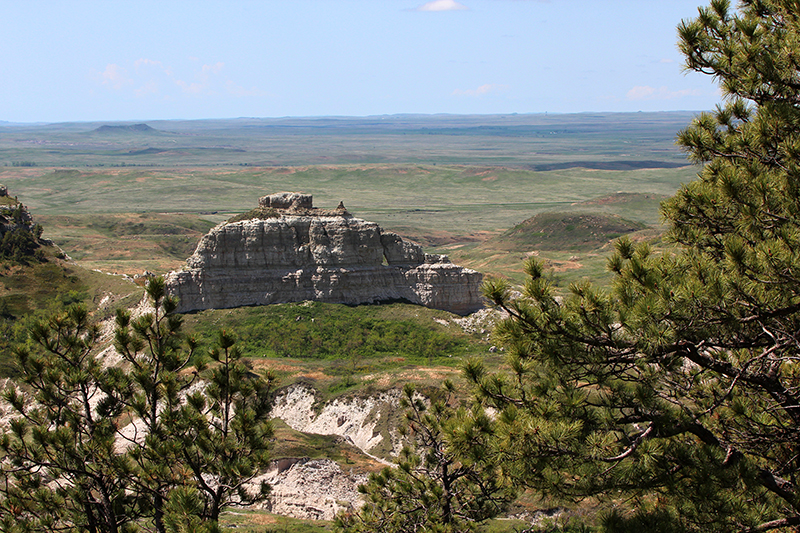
(286, 200)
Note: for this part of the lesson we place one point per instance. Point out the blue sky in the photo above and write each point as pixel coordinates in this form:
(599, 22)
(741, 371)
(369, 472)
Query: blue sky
(143, 60)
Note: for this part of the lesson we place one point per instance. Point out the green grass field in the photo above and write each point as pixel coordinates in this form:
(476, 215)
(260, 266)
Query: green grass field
(434, 205)
(450, 183)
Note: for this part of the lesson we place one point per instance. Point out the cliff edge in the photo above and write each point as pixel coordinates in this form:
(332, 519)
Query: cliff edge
(286, 250)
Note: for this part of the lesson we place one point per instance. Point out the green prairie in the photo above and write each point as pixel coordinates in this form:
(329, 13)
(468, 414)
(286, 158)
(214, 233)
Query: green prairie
(451, 183)
(490, 191)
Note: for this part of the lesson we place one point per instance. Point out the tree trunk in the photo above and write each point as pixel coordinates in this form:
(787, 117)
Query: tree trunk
(447, 511)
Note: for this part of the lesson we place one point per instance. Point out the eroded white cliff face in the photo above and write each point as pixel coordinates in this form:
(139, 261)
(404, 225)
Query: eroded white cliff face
(319, 489)
(312, 489)
(366, 422)
(330, 256)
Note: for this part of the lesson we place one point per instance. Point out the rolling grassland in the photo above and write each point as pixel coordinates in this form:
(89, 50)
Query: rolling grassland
(490, 191)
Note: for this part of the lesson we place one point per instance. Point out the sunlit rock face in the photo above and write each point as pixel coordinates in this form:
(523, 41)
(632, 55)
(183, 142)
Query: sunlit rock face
(290, 251)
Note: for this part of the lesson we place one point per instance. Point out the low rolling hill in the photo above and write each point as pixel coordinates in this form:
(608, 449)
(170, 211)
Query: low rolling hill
(565, 231)
(127, 243)
(124, 128)
(573, 243)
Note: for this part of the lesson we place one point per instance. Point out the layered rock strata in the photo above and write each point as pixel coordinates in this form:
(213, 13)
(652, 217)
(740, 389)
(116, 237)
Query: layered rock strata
(291, 251)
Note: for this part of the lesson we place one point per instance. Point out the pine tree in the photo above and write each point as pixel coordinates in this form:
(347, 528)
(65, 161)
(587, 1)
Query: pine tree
(61, 469)
(110, 449)
(446, 480)
(225, 432)
(156, 375)
(677, 390)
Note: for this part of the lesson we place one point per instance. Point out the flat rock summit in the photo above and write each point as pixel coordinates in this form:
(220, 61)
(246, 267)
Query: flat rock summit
(286, 250)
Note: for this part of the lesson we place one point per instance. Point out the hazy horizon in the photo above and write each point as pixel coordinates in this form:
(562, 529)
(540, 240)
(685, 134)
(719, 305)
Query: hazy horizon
(132, 121)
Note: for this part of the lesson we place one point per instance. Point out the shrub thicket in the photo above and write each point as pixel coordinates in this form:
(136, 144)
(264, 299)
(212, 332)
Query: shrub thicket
(329, 331)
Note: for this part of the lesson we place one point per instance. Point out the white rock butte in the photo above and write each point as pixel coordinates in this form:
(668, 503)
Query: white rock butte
(288, 251)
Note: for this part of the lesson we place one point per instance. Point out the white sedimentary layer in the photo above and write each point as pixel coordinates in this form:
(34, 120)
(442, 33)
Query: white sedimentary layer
(355, 419)
(312, 489)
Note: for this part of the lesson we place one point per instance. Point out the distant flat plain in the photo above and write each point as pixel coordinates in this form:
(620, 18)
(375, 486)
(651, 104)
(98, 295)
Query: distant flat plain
(443, 180)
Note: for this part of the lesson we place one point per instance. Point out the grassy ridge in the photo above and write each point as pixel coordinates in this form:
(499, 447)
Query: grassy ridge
(26, 289)
(565, 231)
(127, 243)
(573, 243)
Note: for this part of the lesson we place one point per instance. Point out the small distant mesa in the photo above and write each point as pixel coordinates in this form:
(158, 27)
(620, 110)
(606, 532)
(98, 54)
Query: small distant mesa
(125, 128)
(286, 250)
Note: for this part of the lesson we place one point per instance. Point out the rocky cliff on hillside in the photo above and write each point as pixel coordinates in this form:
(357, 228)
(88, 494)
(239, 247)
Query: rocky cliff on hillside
(369, 423)
(20, 238)
(286, 251)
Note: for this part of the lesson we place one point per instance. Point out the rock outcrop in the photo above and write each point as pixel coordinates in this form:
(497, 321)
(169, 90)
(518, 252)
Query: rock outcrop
(287, 251)
(368, 423)
(312, 489)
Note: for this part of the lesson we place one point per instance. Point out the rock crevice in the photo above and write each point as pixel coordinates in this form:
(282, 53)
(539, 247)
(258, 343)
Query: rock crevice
(305, 253)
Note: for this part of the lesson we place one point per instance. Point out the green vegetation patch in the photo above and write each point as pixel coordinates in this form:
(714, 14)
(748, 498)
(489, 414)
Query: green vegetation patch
(332, 331)
(566, 231)
(144, 224)
(8, 201)
(24, 289)
(259, 213)
(30, 291)
(252, 521)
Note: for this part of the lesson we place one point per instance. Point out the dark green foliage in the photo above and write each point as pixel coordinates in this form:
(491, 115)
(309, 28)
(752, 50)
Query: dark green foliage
(20, 240)
(677, 389)
(150, 390)
(19, 244)
(225, 431)
(446, 482)
(111, 449)
(61, 468)
(184, 513)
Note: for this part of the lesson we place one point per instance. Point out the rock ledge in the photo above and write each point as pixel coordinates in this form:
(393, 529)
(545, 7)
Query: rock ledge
(300, 253)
